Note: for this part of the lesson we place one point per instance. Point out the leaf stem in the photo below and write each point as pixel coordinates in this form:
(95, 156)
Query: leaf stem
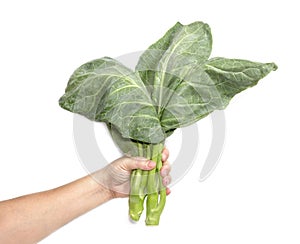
(147, 184)
(138, 182)
(156, 193)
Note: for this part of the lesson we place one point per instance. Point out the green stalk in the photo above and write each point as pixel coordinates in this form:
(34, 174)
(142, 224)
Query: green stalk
(156, 192)
(138, 183)
(147, 183)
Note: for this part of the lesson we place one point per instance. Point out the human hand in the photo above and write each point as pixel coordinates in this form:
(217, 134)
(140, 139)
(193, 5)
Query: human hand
(116, 176)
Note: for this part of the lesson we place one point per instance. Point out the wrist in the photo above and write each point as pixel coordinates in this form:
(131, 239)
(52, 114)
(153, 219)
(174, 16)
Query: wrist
(100, 185)
(100, 190)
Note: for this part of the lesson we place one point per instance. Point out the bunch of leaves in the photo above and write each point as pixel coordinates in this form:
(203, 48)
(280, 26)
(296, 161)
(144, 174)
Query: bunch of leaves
(175, 84)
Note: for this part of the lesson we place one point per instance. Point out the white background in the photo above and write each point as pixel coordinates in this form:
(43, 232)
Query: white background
(253, 195)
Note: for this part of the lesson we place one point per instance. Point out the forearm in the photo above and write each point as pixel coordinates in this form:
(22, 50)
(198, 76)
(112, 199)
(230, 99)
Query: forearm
(30, 218)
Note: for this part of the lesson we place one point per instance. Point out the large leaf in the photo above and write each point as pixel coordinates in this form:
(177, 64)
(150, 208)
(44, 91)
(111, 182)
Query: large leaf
(232, 76)
(105, 90)
(175, 84)
(171, 58)
(185, 86)
(210, 87)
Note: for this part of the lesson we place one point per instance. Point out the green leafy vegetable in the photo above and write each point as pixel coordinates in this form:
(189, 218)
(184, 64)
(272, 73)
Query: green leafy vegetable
(174, 85)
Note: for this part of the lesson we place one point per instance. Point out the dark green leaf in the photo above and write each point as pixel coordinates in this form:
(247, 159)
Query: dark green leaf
(128, 146)
(105, 90)
(210, 87)
(171, 57)
(175, 85)
(186, 86)
(232, 76)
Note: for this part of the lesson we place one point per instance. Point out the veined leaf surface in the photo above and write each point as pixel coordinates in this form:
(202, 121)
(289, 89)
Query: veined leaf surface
(107, 91)
(210, 87)
(175, 85)
(184, 84)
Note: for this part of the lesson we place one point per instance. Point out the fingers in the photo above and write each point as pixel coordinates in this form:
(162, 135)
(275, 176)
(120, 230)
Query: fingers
(165, 155)
(132, 163)
(165, 173)
(165, 170)
(145, 164)
(166, 180)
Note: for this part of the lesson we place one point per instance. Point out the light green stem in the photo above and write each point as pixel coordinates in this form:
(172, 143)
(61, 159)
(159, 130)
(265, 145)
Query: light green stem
(138, 183)
(147, 183)
(156, 193)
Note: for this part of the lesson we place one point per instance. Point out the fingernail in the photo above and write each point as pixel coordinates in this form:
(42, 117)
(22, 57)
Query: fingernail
(151, 164)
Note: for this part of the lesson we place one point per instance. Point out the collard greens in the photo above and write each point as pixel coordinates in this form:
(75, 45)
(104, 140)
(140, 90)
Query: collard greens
(175, 84)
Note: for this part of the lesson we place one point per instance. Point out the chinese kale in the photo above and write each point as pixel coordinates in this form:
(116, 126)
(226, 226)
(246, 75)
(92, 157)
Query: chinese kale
(174, 85)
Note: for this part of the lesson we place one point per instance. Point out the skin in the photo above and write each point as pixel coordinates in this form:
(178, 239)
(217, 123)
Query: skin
(31, 218)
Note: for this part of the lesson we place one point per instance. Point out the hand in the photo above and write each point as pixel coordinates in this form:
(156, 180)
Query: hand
(116, 176)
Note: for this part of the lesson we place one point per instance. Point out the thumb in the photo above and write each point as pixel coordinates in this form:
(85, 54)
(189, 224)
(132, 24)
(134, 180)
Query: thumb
(132, 163)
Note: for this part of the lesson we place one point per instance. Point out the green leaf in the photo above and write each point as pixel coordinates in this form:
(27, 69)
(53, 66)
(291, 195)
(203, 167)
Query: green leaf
(105, 90)
(232, 76)
(210, 87)
(175, 85)
(172, 56)
(184, 85)
(126, 145)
